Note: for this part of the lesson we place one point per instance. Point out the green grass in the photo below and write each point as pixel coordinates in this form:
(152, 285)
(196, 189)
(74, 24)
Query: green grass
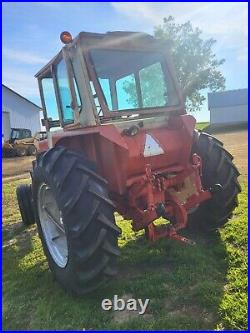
(201, 126)
(200, 287)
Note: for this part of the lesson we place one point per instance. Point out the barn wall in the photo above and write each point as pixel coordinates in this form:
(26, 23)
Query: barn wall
(229, 114)
(5, 125)
(22, 113)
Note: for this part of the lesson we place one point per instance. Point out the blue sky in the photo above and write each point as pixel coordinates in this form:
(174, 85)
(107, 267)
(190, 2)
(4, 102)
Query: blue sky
(31, 33)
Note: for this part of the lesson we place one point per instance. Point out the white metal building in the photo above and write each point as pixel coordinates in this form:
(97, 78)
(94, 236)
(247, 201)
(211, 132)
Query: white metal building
(228, 107)
(18, 112)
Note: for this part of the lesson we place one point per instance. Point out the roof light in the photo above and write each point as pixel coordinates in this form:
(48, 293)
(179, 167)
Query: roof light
(66, 37)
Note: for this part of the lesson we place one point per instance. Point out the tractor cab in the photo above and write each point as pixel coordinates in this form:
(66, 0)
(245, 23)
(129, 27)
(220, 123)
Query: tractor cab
(112, 77)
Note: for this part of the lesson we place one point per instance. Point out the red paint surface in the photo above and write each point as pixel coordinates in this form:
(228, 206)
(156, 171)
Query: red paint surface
(120, 160)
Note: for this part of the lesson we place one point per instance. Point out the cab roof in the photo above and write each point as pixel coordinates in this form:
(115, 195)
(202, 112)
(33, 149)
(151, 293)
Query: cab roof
(90, 39)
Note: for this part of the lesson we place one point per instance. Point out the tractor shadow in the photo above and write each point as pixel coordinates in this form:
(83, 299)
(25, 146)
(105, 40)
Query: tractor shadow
(18, 235)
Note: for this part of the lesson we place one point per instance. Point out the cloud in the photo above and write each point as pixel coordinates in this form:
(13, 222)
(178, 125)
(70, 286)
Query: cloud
(23, 56)
(226, 22)
(243, 55)
(22, 82)
(153, 12)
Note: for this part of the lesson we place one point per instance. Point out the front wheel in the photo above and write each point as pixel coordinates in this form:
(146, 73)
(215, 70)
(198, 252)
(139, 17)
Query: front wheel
(75, 220)
(21, 151)
(217, 168)
(32, 150)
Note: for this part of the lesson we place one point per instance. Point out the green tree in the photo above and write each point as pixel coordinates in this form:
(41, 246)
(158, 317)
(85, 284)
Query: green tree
(152, 93)
(196, 65)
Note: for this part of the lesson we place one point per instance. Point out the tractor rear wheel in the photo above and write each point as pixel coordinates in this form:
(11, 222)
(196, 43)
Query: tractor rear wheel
(217, 168)
(75, 220)
(24, 199)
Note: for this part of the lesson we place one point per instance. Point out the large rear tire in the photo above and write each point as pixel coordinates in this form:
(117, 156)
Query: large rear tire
(217, 168)
(67, 189)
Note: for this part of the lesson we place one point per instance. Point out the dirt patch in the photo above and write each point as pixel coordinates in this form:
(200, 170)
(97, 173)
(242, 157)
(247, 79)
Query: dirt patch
(16, 166)
(237, 144)
(193, 311)
(17, 177)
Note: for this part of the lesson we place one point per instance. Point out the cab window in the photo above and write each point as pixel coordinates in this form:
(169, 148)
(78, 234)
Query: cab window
(50, 98)
(142, 79)
(64, 92)
(126, 93)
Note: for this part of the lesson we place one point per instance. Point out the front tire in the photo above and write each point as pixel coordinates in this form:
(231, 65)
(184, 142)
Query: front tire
(32, 150)
(21, 151)
(86, 217)
(217, 168)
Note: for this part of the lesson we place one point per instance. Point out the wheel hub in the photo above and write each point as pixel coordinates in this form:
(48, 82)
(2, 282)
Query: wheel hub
(52, 225)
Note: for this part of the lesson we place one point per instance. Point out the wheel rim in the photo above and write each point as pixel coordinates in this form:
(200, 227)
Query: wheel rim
(52, 225)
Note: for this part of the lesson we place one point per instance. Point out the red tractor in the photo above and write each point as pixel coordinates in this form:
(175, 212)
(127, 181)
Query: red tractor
(123, 142)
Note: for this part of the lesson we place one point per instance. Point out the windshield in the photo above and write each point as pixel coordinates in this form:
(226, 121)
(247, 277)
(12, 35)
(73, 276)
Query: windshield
(20, 133)
(134, 79)
(15, 134)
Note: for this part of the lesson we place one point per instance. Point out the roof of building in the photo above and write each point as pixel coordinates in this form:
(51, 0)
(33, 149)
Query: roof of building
(228, 98)
(27, 100)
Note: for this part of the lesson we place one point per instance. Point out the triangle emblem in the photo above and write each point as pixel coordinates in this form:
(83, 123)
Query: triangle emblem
(152, 147)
